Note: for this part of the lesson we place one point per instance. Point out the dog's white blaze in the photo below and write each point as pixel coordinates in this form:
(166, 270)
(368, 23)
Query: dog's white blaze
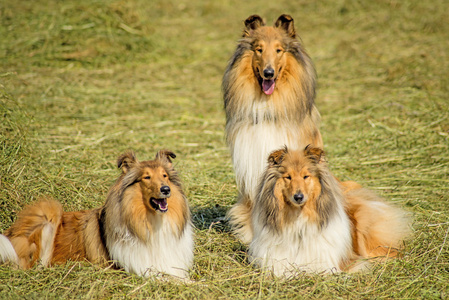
(302, 246)
(164, 252)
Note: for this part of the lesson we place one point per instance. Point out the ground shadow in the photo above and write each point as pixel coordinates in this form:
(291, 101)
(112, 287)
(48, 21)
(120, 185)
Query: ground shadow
(211, 217)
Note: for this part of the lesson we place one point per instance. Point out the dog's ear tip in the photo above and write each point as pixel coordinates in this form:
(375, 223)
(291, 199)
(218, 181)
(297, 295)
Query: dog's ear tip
(252, 23)
(286, 17)
(315, 153)
(276, 157)
(166, 154)
(125, 160)
(253, 18)
(286, 22)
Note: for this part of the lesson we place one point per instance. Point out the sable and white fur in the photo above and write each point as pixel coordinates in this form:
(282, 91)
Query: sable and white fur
(269, 91)
(144, 226)
(306, 220)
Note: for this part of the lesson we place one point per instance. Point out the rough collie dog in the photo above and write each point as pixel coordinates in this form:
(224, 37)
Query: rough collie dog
(144, 226)
(305, 220)
(269, 91)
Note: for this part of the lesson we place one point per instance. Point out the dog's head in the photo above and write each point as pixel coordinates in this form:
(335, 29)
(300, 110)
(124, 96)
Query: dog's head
(297, 184)
(298, 178)
(269, 44)
(155, 178)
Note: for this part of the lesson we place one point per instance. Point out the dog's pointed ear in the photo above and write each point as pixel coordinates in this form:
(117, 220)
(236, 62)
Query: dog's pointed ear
(313, 153)
(252, 23)
(165, 155)
(126, 161)
(277, 156)
(286, 22)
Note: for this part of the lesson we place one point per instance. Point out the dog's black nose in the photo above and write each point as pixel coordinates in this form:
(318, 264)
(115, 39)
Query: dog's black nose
(299, 197)
(268, 73)
(165, 190)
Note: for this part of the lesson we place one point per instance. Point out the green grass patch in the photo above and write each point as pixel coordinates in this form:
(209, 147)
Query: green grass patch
(83, 81)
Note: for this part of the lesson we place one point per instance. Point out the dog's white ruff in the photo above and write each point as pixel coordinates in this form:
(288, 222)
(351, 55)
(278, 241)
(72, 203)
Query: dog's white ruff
(254, 142)
(164, 252)
(302, 246)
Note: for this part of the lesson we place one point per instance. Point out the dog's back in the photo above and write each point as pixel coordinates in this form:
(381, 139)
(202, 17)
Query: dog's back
(43, 232)
(79, 237)
(32, 235)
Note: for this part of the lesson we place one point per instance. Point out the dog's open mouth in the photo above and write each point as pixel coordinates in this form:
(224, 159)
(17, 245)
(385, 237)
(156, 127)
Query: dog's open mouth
(268, 86)
(159, 204)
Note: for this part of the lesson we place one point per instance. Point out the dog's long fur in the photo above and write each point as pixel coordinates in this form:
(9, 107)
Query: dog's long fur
(144, 225)
(305, 220)
(269, 91)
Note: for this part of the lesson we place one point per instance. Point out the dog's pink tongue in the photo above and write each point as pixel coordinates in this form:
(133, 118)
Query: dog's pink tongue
(268, 86)
(163, 205)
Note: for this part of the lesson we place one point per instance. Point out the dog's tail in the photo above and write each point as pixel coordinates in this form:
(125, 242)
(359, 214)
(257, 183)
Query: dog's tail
(380, 228)
(7, 252)
(32, 236)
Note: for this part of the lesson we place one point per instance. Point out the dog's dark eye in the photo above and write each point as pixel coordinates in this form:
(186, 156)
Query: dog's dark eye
(259, 50)
(278, 51)
(147, 177)
(165, 175)
(305, 177)
(288, 177)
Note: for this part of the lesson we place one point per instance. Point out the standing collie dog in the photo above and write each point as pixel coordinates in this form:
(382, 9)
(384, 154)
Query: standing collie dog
(269, 91)
(144, 226)
(304, 219)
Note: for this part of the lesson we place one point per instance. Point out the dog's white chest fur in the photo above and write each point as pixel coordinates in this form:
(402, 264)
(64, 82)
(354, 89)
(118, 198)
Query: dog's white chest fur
(164, 252)
(253, 143)
(302, 246)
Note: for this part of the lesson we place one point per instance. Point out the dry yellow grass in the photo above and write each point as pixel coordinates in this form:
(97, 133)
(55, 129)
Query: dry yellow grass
(82, 81)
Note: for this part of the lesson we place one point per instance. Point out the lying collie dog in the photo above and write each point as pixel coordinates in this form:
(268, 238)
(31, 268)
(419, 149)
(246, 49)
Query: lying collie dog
(144, 226)
(269, 92)
(305, 220)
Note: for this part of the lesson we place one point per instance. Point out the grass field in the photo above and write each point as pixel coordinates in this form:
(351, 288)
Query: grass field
(83, 81)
